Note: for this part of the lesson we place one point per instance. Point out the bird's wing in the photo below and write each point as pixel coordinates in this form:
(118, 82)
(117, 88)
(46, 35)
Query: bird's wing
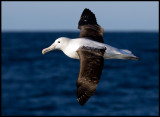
(91, 65)
(89, 28)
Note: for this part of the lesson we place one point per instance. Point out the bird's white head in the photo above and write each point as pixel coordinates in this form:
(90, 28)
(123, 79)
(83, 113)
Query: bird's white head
(59, 44)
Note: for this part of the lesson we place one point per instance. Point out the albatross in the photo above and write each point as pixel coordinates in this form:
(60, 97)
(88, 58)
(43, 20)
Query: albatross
(89, 47)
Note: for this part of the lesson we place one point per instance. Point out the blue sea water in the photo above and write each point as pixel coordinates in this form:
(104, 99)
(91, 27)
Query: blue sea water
(44, 85)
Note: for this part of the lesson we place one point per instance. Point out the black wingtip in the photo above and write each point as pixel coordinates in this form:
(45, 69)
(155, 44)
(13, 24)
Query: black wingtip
(87, 17)
(81, 103)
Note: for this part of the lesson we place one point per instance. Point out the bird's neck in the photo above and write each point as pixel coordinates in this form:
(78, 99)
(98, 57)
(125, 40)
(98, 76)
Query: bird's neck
(65, 45)
(69, 49)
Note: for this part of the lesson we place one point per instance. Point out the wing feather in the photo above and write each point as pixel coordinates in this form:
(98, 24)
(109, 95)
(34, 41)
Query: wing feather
(91, 65)
(89, 28)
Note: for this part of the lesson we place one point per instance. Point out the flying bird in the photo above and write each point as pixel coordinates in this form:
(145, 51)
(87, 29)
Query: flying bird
(89, 47)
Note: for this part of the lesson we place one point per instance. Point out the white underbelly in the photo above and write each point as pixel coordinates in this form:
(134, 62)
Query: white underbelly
(72, 54)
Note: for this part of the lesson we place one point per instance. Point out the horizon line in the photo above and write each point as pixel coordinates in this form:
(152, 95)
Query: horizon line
(4, 31)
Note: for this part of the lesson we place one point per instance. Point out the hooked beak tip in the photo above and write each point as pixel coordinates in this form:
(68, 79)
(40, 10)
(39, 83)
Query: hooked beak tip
(43, 51)
(47, 49)
(50, 48)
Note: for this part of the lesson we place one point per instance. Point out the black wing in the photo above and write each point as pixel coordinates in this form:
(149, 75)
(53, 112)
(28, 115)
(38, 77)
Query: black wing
(91, 65)
(89, 27)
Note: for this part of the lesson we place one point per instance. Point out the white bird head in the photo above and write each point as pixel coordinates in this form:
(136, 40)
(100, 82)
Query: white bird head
(59, 44)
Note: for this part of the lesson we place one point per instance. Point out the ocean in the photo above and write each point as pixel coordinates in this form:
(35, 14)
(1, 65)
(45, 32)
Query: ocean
(33, 84)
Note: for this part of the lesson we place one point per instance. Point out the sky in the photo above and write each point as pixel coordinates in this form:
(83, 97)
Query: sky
(58, 16)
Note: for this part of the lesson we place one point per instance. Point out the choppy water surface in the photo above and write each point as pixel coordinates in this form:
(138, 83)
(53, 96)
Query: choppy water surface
(36, 84)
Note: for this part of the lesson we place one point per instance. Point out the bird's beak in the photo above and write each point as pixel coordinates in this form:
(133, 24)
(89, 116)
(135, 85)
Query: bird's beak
(50, 48)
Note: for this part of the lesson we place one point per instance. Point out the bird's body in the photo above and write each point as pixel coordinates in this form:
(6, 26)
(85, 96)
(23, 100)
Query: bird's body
(70, 47)
(91, 51)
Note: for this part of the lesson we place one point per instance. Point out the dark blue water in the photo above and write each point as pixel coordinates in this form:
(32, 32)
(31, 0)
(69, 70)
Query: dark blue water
(36, 84)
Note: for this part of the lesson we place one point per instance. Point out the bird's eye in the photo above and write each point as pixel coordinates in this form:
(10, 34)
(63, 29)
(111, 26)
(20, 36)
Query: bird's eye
(58, 41)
